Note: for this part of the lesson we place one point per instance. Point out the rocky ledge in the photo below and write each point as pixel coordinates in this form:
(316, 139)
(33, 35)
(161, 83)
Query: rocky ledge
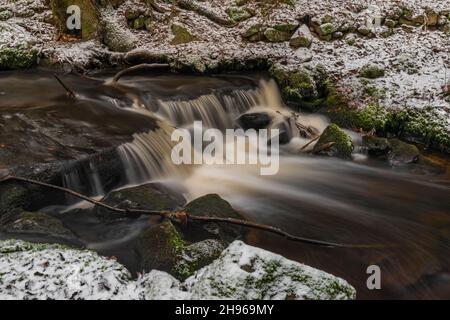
(44, 271)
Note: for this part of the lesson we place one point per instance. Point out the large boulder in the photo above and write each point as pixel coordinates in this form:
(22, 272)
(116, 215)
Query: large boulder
(340, 144)
(245, 272)
(241, 272)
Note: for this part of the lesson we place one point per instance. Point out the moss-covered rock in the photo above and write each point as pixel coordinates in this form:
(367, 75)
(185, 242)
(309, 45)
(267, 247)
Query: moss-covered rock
(254, 33)
(402, 153)
(371, 71)
(90, 16)
(181, 34)
(274, 35)
(196, 256)
(152, 196)
(239, 14)
(301, 38)
(296, 85)
(342, 144)
(159, 247)
(17, 58)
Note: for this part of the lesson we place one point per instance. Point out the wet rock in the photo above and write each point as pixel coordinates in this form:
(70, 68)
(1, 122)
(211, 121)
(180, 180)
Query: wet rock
(301, 38)
(152, 196)
(197, 256)
(181, 34)
(402, 153)
(376, 146)
(256, 120)
(212, 205)
(38, 223)
(342, 144)
(13, 196)
(371, 71)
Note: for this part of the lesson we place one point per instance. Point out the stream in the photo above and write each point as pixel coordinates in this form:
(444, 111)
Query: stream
(365, 201)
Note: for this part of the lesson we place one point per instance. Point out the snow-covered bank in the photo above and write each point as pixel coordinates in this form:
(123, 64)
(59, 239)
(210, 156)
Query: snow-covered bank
(42, 271)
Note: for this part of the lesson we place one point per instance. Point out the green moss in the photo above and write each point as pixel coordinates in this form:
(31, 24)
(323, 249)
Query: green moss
(327, 29)
(238, 14)
(343, 145)
(371, 71)
(181, 34)
(17, 58)
(296, 86)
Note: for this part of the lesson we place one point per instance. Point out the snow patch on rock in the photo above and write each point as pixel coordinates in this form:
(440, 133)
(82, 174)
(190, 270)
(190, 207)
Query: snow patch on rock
(49, 271)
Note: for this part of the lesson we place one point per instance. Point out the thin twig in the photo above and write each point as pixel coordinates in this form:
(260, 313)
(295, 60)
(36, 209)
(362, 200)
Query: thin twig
(138, 67)
(70, 93)
(311, 141)
(181, 217)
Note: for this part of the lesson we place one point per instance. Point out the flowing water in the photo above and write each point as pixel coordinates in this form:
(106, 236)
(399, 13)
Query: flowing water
(405, 212)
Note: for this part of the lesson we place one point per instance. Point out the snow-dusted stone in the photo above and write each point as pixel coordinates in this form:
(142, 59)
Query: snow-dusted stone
(301, 38)
(16, 50)
(43, 271)
(246, 272)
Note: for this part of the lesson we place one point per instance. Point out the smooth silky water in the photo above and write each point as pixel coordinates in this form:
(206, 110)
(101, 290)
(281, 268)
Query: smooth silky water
(405, 212)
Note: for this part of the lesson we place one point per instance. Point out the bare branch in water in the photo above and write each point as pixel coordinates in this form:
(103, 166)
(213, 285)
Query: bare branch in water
(70, 93)
(144, 66)
(311, 141)
(182, 217)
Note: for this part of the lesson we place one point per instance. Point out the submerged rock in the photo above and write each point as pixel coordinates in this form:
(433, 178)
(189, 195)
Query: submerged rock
(340, 143)
(241, 272)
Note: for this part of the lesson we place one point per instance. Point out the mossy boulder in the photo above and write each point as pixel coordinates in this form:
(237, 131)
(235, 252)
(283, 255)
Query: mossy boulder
(402, 153)
(239, 14)
(38, 223)
(274, 35)
(181, 34)
(212, 205)
(342, 145)
(152, 196)
(297, 86)
(196, 256)
(371, 71)
(159, 246)
(90, 17)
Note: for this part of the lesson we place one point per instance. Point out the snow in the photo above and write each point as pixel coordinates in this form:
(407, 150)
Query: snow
(45, 271)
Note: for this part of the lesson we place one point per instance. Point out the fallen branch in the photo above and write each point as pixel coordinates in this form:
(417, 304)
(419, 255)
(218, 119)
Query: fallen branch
(70, 93)
(138, 67)
(311, 141)
(324, 147)
(182, 217)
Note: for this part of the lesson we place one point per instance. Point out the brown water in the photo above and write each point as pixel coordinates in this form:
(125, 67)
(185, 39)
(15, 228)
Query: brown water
(364, 201)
